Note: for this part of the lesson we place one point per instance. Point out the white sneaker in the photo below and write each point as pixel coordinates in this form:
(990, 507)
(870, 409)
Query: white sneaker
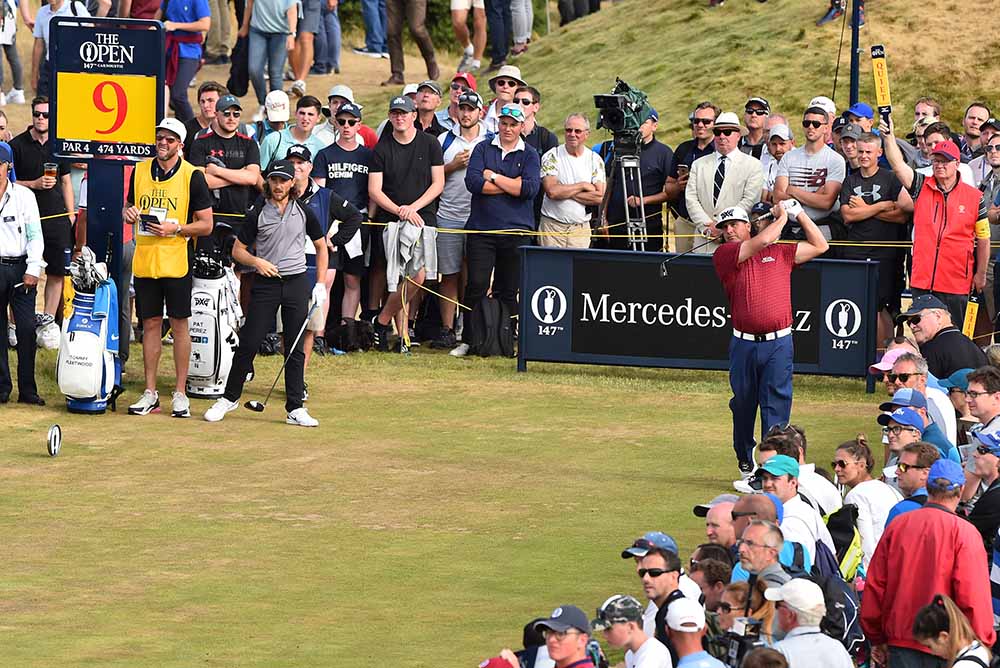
(180, 407)
(148, 403)
(301, 417)
(461, 350)
(15, 96)
(298, 88)
(3, 100)
(220, 408)
(11, 336)
(259, 116)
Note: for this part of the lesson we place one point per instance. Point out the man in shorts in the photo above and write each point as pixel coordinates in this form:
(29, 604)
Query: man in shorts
(169, 203)
(472, 45)
(301, 57)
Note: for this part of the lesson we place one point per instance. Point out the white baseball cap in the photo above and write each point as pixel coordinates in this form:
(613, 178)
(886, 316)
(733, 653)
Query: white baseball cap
(277, 106)
(175, 126)
(340, 90)
(687, 615)
(780, 130)
(798, 593)
(731, 214)
(410, 89)
(824, 103)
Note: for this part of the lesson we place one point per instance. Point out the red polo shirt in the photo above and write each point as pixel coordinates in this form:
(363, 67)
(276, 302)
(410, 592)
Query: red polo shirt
(759, 289)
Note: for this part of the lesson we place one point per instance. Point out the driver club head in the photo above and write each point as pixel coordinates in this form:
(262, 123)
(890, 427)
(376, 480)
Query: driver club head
(255, 406)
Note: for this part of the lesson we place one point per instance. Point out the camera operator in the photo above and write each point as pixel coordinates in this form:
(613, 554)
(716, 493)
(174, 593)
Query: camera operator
(654, 165)
(801, 607)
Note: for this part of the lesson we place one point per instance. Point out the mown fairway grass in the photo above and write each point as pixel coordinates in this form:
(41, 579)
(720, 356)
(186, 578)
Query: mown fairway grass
(440, 505)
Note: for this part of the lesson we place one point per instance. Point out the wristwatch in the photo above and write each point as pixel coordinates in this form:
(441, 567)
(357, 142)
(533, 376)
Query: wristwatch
(493, 178)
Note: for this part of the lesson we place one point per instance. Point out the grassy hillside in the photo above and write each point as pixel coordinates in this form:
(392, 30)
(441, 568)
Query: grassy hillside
(681, 52)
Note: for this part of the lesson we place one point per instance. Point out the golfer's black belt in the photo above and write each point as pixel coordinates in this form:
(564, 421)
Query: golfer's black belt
(13, 260)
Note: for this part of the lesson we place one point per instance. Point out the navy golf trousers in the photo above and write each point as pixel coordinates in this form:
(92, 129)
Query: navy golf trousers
(760, 374)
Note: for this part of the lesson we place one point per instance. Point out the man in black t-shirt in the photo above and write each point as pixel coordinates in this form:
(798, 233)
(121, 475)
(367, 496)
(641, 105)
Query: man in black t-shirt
(343, 165)
(654, 167)
(700, 145)
(54, 196)
(404, 181)
(232, 168)
(875, 206)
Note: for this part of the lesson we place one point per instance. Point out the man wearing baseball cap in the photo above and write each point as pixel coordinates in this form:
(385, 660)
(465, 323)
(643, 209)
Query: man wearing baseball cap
(328, 132)
(405, 179)
(726, 178)
(926, 551)
(640, 547)
(620, 620)
(277, 232)
(801, 522)
(755, 113)
(273, 115)
(566, 633)
(231, 161)
(170, 204)
(800, 608)
(454, 208)
(428, 100)
(945, 347)
(813, 173)
(949, 217)
(685, 622)
(861, 114)
(462, 82)
(760, 352)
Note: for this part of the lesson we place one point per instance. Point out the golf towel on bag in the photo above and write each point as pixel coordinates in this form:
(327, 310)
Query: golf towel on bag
(88, 367)
(409, 248)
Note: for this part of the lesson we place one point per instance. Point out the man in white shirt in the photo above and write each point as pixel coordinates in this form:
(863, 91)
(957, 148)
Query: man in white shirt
(620, 619)
(573, 179)
(800, 608)
(801, 522)
(910, 370)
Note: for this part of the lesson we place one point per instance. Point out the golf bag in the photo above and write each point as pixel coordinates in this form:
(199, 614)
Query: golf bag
(216, 317)
(88, 369)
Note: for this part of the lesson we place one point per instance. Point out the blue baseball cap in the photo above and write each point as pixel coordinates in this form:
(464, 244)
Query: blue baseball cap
(861, 110)
(7, 155)
(991, 441)
(904, 416)
(649, 541)
(945, 476)
(652, 113)
(904, 397)
(779, 507)
(780, 465)
(959, 379)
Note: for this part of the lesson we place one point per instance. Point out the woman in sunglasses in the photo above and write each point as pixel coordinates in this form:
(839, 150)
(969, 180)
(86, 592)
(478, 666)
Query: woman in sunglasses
(734, 604)
(852, 464)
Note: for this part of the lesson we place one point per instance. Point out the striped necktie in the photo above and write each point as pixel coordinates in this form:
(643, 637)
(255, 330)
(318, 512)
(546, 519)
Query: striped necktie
(720, 176)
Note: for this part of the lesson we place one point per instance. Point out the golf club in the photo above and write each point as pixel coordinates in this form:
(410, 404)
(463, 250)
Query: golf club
(257, 406)
(663, 265)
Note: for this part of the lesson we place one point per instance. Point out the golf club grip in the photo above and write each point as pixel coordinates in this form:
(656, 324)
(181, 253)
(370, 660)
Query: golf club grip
(288, 353)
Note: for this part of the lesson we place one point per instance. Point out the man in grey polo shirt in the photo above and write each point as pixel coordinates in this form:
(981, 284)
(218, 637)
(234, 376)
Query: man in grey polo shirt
(278, 229)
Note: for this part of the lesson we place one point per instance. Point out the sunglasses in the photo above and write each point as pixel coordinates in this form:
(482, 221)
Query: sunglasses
(903, 468)
(901, 377)
(725, 132)
(232, 114)
(574, 131)
(524, 101)
(914, 320)
(984, 450)
(458, 86)
(653, 572)
(347, 121)
(506, 83)
(839, 464)
(702, 121)
(40, 114)
(975, 395)
(992, 148)
(755, 112)
(725, 608)
(813, 124)
(899, 429)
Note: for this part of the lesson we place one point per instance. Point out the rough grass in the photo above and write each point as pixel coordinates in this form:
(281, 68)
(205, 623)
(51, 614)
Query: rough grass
(441, 504)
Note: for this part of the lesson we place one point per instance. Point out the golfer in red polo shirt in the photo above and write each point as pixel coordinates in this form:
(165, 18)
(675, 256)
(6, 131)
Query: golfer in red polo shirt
(756, 274)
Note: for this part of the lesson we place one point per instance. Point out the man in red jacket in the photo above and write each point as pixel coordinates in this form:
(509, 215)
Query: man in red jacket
(949, 219)
(922, 553)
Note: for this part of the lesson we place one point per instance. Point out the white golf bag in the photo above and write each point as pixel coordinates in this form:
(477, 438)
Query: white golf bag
(88, 369)
(216, 317)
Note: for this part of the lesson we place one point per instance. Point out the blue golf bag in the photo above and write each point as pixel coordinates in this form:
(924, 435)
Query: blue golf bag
(88, 369)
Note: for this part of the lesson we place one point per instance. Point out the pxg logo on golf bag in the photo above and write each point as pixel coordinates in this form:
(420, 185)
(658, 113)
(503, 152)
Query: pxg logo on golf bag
(548, 304)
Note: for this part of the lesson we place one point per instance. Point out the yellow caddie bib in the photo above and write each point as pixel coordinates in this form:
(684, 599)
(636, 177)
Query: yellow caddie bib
(162, 257)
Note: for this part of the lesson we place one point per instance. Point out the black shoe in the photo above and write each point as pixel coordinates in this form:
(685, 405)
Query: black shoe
(445, 341)
(319, 345)
(380, 337)
(746, 468)
(31, 399)
(496, 65)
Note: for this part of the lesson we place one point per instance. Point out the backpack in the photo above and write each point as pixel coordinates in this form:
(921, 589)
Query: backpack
(842, 525)
(972, 658)
(491, 329)
(239, 72)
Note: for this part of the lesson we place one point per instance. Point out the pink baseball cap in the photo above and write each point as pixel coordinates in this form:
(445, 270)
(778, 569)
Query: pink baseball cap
(888, 359)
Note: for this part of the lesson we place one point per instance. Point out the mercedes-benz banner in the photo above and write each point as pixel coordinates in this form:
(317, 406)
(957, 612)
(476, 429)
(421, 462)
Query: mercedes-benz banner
(618, 308)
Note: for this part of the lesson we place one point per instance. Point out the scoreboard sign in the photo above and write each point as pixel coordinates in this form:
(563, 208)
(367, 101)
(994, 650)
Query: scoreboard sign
(108, 87)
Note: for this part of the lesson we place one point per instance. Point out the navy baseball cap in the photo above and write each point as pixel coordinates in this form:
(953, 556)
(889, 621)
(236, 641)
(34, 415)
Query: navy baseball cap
(649, 541)
(300, 151)
(652, 113)
(470, 98)
(564, 618)
(351, 109)
(945, 476)
(923, 302)
(282, 168)
(7, 155)
(402, 103)
(904, 397)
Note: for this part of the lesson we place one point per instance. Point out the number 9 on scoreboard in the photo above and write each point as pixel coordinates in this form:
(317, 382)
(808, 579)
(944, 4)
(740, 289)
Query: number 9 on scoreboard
(106, 108)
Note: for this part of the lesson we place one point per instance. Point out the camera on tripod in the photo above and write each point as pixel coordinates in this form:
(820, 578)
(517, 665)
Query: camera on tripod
(621, 113)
